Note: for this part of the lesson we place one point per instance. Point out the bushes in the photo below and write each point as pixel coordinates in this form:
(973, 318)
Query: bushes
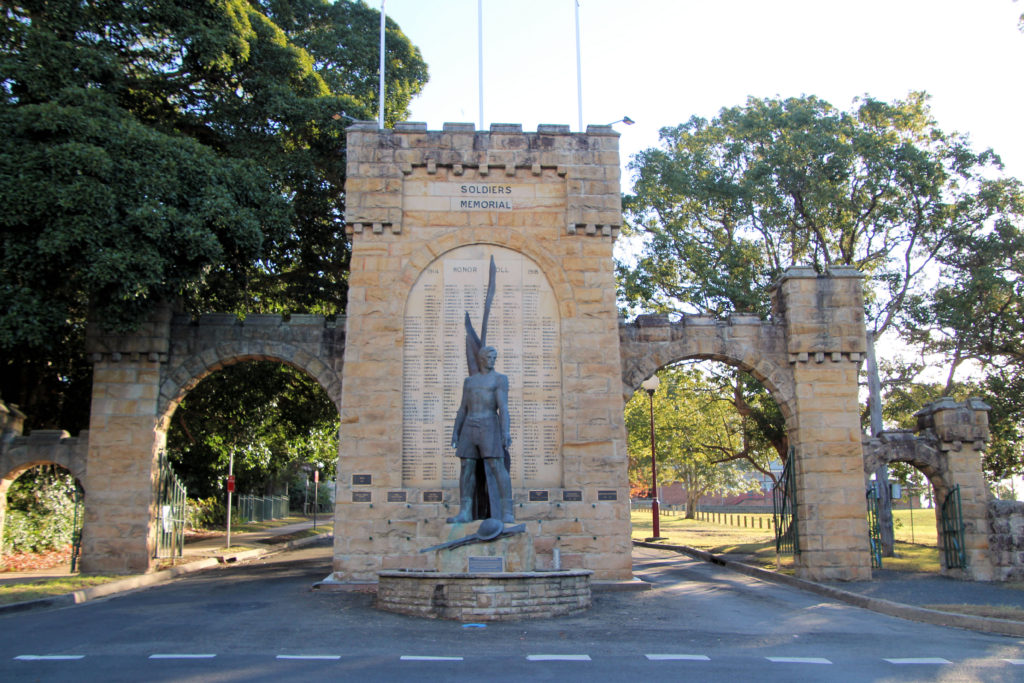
(40, 511)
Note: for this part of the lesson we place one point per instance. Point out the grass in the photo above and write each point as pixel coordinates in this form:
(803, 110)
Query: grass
(757, 546)
(48, 588)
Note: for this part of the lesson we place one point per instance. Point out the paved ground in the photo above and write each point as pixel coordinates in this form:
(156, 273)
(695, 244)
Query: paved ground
(899, 587)
(261, 621)
(922, 589)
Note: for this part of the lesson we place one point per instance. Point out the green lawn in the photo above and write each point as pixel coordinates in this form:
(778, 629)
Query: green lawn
(756, 545)
(48, 588)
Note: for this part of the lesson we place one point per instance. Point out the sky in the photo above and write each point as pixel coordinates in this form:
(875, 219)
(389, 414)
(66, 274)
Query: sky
(660, 62)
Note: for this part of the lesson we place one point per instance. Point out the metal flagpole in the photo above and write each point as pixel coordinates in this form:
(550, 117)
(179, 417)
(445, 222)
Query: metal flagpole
(579, 72)
(480, 55)
(380, 113)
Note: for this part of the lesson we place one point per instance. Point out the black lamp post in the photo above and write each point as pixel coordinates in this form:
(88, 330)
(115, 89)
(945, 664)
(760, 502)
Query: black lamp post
(650, 385)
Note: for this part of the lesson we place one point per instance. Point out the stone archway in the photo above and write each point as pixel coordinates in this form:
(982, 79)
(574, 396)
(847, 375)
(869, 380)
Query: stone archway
(41, 447)
(138, 380)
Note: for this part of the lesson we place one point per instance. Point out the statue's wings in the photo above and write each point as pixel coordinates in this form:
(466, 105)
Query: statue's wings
(473, 342)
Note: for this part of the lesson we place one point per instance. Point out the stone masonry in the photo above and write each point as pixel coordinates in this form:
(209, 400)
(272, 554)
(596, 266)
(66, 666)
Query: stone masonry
(562, 213)
(807, 356)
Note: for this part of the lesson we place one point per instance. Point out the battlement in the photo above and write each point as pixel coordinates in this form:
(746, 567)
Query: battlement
(381, 160)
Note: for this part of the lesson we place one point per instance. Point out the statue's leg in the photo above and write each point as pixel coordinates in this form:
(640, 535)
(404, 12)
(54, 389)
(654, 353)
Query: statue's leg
(467, 482)
(499, 490)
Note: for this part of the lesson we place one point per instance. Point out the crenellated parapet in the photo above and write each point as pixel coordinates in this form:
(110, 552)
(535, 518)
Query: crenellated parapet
(410, 174)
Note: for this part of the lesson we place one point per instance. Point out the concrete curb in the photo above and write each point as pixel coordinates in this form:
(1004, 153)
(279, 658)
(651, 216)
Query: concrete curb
(156, 578)
(1005, 627)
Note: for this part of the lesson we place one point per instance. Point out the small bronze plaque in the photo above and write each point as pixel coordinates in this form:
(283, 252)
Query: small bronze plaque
(538, 496)
(485, 565)
(433, 497)
(396, 496)
(361, 497)
(607, 495)
(572, 496)
(362, 479)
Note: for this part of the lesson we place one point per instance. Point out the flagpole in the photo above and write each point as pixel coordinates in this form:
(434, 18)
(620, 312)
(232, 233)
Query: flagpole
(579, 70)
(480, 55)
(380, 111)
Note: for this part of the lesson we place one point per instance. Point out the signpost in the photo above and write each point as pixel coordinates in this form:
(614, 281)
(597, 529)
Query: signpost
(316, 495)
(231, 489)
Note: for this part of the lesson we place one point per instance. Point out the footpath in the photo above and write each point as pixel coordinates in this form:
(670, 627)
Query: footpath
(198, 555)
(898, 594)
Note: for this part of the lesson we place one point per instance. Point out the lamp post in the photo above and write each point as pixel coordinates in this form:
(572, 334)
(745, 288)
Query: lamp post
(650, 385)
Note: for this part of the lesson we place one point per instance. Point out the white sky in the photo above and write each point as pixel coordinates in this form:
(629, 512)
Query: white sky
(661, 61)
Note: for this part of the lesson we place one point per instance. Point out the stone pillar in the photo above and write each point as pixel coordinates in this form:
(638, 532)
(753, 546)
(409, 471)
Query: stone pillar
(823, 317)
(961, 432)
(416, 199)
(118, 536)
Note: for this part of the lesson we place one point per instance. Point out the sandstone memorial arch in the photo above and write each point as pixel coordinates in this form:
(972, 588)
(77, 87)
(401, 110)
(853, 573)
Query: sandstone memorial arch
(426, 210)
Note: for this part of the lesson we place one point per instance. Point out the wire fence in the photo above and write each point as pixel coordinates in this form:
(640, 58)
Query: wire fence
(262, 508)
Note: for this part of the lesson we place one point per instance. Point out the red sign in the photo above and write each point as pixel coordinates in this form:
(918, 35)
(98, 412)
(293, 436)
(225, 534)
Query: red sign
(316, 476)
(231, 483)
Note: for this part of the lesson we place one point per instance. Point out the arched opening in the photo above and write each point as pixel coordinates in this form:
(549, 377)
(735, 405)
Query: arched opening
(919, 489)
(41, 515)
(721, 439)
(272, 426)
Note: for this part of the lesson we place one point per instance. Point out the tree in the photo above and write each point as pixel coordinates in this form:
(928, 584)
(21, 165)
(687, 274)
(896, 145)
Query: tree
(726, 205)
(172, 151)
(270, 418)
(699, 439)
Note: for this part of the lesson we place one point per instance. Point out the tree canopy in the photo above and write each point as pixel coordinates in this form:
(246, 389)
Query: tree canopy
(191, 152)
(725, 205)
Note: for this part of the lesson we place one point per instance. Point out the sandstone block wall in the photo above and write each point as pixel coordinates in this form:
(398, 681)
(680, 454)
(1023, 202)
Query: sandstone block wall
(402, 218)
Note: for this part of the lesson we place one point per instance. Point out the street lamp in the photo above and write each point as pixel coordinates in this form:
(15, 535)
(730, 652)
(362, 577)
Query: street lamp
(650, 385)
(625, 119)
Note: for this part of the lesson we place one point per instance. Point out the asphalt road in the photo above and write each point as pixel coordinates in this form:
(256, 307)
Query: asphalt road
(261, 622)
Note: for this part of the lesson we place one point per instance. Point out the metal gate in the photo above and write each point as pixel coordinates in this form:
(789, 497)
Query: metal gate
(784, 510)
(874, 527)
(953, 531)
(171, 500)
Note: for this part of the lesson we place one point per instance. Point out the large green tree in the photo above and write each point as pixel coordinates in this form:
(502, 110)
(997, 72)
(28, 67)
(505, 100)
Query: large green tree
(173, 151)
(723, 206)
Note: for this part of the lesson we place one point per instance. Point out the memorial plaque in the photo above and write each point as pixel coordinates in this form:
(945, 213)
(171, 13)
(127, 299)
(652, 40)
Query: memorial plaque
(433, 497)
(485, 565)
(608, 495)
(572, 496)
(361, 496)
(362, 479)
(524, 327)
(396, 496)
(538, 496)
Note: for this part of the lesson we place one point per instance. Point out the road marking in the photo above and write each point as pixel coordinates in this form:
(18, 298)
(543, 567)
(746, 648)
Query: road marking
(688, 658)
(427, 658)
(181, 655)
(798, 660)
(48, 658)
(558, 658)
(919, 660)
(314, 657)
(1015, 662)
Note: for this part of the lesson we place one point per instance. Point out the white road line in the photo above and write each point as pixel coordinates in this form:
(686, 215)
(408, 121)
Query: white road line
(558, 658)
(1015, 662)
(686, 658)
(798, 660)
(426, 658)
(181, 655)
(48, 658)
(919, 660)
(313, 657)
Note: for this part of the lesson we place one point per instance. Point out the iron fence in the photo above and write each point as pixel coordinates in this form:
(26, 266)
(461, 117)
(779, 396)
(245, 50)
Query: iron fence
(262, 508)
(172, 499)
(784, 516)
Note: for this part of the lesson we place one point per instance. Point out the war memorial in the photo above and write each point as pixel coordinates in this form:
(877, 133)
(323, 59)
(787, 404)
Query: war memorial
(481, 407)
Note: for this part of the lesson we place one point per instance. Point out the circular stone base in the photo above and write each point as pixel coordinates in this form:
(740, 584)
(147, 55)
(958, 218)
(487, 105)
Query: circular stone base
(495, 596)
